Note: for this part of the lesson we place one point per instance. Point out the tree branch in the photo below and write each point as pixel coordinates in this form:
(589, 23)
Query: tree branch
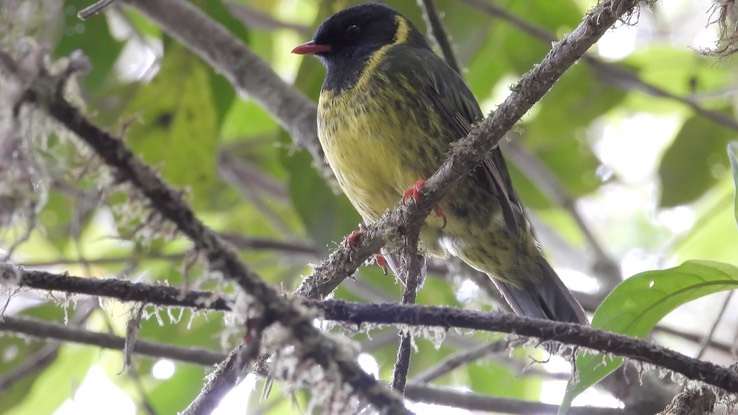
(47, 91)
(123, 290)
(469, 152)
(226, 376)
(614, 74)
(438, 33)
(460, 359)
(476, 402)
(52, 331)
(544, 330)
(242, 67)
(446, 317)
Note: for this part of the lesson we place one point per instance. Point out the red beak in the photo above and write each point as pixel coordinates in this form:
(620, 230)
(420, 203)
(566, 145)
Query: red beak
(311, 48)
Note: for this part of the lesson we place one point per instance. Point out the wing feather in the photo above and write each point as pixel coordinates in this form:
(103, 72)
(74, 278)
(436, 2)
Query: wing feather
(456, 104)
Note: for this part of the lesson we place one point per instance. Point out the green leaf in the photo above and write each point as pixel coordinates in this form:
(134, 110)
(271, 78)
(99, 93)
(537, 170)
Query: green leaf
(576, 100)
(694, 161)
(174, 394)
(639, 303)
(93, 38)
(679, 70)
(56, 383)
(327, 217)
(18, 351)
(179, 128)
(494, 379)
(733, 156)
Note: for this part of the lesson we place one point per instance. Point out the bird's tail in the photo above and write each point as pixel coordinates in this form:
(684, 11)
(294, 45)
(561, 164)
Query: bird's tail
(546, 298)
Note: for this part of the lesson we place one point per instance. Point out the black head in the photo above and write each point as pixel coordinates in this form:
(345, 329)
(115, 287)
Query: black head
(356, 32)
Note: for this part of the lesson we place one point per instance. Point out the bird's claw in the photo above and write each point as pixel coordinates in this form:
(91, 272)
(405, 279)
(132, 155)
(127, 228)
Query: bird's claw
(353, 239)
(416, 193)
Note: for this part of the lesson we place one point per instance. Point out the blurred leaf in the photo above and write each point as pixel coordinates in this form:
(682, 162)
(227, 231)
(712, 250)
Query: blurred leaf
(93, 38)
(179, 127)
(576, 100)
(733, 156)
(713, 236)
(220, 13)
(572, 163)
(694, 161)
(490, 378)
(57, 382)
(635, 306)
(680, 71)
(327, 217)
(17, 351)
(506, 49)
(173, 395)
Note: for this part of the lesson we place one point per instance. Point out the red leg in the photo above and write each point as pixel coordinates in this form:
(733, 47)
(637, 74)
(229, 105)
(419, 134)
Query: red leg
(353, 239)
(438, 212)
(381, 262)
(416, 193)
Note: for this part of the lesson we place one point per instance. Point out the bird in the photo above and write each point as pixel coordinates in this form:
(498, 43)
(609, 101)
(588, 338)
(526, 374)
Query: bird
(389, 111)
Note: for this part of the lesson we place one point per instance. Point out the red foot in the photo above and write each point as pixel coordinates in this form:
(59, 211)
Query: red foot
(381, 262)
(438, 212)
(353, 239)
(416, 193)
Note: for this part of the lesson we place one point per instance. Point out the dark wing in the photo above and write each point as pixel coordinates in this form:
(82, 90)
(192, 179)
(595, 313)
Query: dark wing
(456, 103)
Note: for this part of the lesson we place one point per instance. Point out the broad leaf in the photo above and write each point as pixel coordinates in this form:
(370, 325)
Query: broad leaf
(639, 303)
(688, 167)
(179, 130)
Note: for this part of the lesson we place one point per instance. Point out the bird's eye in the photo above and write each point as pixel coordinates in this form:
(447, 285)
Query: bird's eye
(353, 32)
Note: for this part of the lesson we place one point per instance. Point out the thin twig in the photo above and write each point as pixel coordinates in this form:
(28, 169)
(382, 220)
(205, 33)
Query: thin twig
(567, 333)
(95, 8)
(412, 277)
(169, 203)
(438, 33)
(460, 359)
(476, 402)
(124, 290)
(402, 362)
(705, 343)
(53, 331)
(614, 74)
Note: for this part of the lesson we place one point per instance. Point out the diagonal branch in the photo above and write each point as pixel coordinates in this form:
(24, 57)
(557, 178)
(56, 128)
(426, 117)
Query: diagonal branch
(469, 152)
(613, 73)
(438, 33)
(460, 359)
(47, 92)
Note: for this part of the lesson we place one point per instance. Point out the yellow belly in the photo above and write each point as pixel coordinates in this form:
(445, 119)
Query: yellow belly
(366, 145)
(377, 151)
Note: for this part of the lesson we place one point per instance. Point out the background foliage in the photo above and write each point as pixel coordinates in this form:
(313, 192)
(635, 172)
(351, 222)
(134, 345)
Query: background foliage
(648, 174)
